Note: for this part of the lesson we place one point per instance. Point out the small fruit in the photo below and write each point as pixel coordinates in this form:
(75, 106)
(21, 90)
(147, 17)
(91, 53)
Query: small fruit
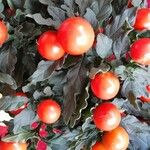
(106, 116)
(148, 88)
(117, 139)
(3, 33)
(49, 47)
(76, 35)
(12, 146)
(98, 146)
(105, 85)
(17, 111)
(145, 99)
(48, 111)
(140, 51)
(142, 19)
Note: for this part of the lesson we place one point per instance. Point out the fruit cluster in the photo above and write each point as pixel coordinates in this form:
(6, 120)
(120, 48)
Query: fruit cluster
(75, 36)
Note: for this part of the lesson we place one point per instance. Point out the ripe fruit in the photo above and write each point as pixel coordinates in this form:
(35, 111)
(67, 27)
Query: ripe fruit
(148, 88)
(117, 139)
(105, 85)
(142, 19)
(140, 51)
(48, 111)
(145, 99)
(106, 116)
(49, 47)
(17, 111)
(98, 146)
(12, 146)
(76, 35)
(3, 33)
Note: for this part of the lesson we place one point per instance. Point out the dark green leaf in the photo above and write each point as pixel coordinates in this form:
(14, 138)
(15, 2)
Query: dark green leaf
(103, 45)
(76, 82)
(102, 9)
(8, 59)
(83, 5)
(42, 21)
(21, 137)
(121, 46)
(119, 21)
(9, 103)
(44, 70)
(91, 17)
(56, 13)
(139, 133)
(5, 78)
(25, 118)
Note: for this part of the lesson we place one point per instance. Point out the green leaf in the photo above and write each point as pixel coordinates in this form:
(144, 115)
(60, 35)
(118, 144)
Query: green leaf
(121, 45)
(21, 137)
(5, 78)
(1, 7)
(44, 70)
(17, 4)
(8, 59)
(136, 3)
(9, 103)
(103, 45)
(139, 133)
(117, 24)
(46, 2)
(102, 9)
(56, 13)
(103, 67)
(81, 105)
(83, 5)
(69, 7)
(77, 82)
(136, 78)
(121, 72)
(91, 17)
(25, 118)
(42, 21)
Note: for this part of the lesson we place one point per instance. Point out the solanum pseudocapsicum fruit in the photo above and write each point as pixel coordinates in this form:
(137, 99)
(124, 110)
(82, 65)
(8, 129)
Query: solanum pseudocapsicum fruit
(17, 111)
(48, 111)
(117, 139)
(76, 35)
(145, 99)
(106, 116)
(12, 146)
(140, 51)
(3, 33)
(49, 47)
(142, 20)
(98, 146)
(105, 85)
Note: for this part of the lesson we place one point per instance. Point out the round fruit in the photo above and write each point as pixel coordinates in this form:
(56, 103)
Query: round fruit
(145, 99)
(48, 111)
(98, 146)
(17, 111)
(142, 19)
(49, 47)
(148, 88)
(117, 139)
(12, 146)
(106, 116)
(76, 35)
(140, 51)
(3, 32)
(105, 85)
